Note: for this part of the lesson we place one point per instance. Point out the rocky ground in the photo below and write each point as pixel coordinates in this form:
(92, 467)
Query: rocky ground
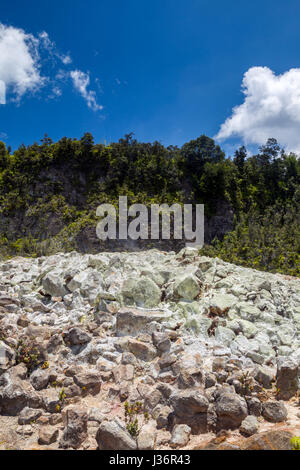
(147, 350)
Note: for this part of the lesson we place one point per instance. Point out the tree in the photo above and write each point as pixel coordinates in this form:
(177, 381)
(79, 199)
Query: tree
(4, 156)
(240, 157)
(200, 151)
(270, 150)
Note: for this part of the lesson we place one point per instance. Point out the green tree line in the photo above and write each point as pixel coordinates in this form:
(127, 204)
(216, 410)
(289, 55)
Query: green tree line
(49, 192)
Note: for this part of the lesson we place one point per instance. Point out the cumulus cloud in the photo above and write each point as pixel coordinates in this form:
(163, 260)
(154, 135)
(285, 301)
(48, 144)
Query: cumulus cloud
(271, 108)
(19, 62)
(24, 56)
(81, 81)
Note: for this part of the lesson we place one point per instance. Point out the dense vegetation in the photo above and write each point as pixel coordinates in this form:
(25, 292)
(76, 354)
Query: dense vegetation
(49, 193)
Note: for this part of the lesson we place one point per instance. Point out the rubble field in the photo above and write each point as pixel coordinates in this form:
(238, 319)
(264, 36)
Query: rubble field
(147, 350)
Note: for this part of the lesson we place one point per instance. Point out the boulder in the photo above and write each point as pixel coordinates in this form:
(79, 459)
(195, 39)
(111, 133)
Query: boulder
(187, 287)
(270, 440)
(85, 281)
(249, 426)
(180, 435)
(39, 379)
(53, 284)
(143, 351)
(123, 373)
(47, 435)
(162, 416)
(75, 432)
(231, 410)
(254, 406)
(219, 304)
(29, 415)
(190, 407)
(264, 376)
(287, 379)
(113, 435)
(142, 292)
(161, 341)
(146, 437)
(16, 396)
(7, 356)
(224, 335)
(274, 411)
(132, 322)
(88, 382)
(76, 336)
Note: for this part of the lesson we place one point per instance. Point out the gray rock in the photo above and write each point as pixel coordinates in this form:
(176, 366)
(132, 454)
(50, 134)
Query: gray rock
(274, 411)
(75, 432)
(231, 410)
(254, 406)
(39, 379)
(180, 435)
(53, 284)
(249, 426)
(142, 292)
(7, 356)
(187, 287)
(162, 416)
(28, 415)
(188, 402)
(132, 322)
(224, 335)
(123, 373)
(210, 380)
(146, 438)
(76, 336)
(287, 380)
(128, 358)
(161, 341)
(152, 399)
(95, 414)
(190, 407)
(264, 376)
(219, 304)
(113, 435)
(16, 396)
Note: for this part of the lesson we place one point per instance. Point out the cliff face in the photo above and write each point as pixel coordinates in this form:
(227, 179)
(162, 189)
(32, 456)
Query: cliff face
(57, 204)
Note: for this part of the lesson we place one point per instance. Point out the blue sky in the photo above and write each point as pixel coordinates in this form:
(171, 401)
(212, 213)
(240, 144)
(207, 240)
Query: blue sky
(167, 70)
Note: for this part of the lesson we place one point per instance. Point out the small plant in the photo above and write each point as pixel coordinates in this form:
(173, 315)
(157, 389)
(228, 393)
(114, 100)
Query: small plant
(62, 396)
(295, 443)
(132, 413)
(28, 355)
(245, 380)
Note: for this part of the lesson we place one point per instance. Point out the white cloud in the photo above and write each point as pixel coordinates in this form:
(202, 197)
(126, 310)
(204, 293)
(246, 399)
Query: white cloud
(66, 59)
(19, 62)
(271, 108)
(2, 92)
(81, 81)
(51, 48)
(23, 56)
